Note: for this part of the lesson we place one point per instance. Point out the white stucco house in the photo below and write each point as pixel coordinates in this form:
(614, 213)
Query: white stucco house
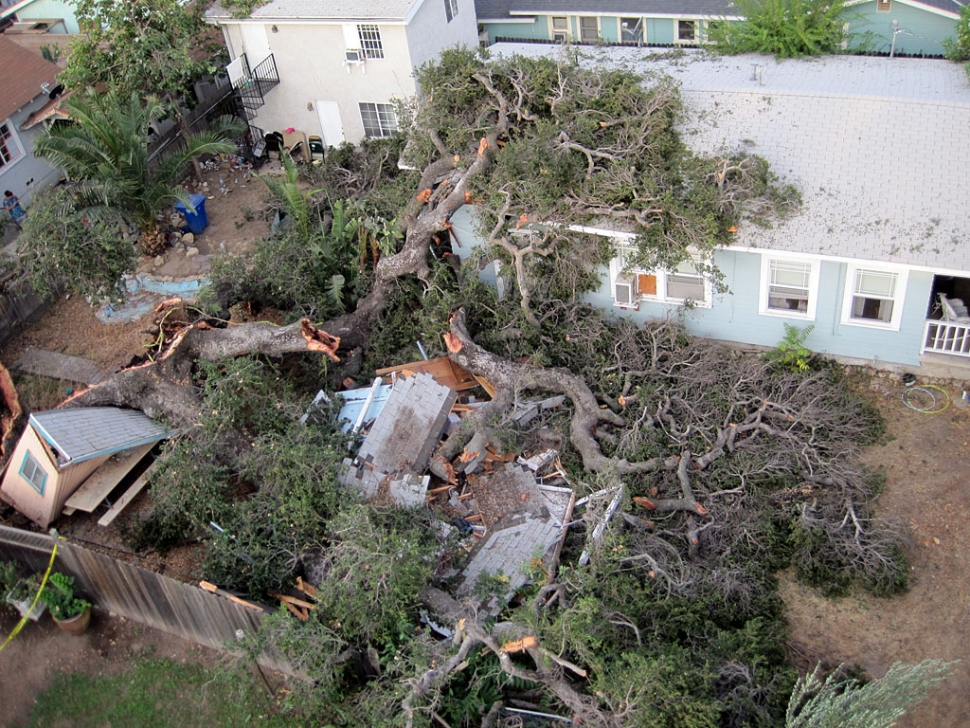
(333, 68)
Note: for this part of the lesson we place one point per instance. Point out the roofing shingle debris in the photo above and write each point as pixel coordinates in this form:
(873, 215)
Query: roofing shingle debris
(513, 515)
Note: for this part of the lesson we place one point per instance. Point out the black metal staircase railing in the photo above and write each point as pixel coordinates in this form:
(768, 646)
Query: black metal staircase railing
(253, 85)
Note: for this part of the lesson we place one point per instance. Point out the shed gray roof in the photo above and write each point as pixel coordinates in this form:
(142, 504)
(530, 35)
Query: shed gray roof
(324, 10)
(878, 147)
(88, 432)
(499, 9)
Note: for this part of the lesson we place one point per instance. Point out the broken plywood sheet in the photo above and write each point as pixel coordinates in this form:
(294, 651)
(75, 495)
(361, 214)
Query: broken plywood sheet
(103, 480)
(409, 427)
(443, 369)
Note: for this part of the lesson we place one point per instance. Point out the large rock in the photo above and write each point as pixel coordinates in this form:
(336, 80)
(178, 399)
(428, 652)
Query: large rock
(191, 252)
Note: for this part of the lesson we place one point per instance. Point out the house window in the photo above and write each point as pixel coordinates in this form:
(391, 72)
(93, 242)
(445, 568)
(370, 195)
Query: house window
(451, 9)
(789, 287)
(379, 119)
(874, 297)
(370, 41)
(684, 283)
(10, 149)
(686, 31)
(560, 29)
(631, 30)
(589, 30)
(712, 26)
(33, 473)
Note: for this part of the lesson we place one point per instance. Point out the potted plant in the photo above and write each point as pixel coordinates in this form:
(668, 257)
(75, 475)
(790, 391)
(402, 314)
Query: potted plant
(20, 592)
(70, 612)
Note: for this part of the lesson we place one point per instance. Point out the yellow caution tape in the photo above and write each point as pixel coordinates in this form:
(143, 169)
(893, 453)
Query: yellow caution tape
(43, 583)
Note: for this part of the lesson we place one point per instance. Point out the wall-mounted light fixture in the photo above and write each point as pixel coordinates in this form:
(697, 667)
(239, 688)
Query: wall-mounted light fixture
(309, 106)
(274, 29)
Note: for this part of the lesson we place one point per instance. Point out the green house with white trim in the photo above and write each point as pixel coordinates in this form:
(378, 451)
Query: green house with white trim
(911, 27)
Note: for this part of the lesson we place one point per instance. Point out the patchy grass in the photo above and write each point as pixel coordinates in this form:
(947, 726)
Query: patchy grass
(158, 693)
(38, 394)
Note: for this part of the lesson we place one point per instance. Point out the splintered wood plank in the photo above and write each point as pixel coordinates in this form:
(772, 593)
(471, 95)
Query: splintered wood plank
(129, 496)
(444, 370)
(103, 480)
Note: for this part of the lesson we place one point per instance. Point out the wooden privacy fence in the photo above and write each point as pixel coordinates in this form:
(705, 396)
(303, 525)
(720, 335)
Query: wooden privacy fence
(138, 594)
(18, 303)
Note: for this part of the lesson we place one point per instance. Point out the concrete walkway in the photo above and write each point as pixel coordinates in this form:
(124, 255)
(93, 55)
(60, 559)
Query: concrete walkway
(60, 366)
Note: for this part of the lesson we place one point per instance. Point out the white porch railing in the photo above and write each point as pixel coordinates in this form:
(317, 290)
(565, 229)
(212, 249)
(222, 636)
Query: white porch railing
(946, 337)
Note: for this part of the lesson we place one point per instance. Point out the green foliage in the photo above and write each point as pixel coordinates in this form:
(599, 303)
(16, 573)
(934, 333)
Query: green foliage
(139, 46)
(838, 703)
(63, 248)
(158, 693)
(958, 47)
(51, 53)
(784, 28)
(106, 150)
(242, 8)
(59, 597)
(791, 352)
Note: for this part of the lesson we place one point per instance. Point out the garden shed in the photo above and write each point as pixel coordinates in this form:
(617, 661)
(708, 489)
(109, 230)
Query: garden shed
(60, 449)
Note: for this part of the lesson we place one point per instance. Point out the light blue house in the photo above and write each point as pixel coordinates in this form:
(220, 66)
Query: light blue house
(877, 258)
(634, 22)
(913, 27)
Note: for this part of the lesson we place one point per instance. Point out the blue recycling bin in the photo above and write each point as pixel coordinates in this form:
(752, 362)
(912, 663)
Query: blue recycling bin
(198, 221)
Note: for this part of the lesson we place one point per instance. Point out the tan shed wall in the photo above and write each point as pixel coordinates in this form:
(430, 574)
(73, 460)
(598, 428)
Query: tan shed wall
(42, 509)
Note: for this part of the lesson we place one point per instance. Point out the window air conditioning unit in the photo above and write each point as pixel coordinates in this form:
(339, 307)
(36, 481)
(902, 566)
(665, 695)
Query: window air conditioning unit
(625, 291)
(558, 37)
(354, 55)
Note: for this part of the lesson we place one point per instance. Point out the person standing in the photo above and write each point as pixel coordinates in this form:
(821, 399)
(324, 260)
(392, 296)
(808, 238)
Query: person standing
(11, 203)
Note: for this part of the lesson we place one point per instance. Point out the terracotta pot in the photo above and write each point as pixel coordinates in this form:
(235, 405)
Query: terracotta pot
(77, 624)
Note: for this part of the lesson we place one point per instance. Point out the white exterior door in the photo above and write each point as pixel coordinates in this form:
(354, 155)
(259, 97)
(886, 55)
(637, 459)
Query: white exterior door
(255, 43)
(333, 128)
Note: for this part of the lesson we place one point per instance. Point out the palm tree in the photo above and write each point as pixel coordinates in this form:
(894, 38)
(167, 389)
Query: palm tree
(105, 150)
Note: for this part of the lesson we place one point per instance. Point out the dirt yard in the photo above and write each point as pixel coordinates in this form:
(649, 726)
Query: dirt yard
(107, 648)
(928, 489)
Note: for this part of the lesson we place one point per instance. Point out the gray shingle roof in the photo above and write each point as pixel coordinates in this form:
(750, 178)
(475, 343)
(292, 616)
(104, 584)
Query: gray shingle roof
(87, 432)
(498, 9)
(878, 147)
(324, 10)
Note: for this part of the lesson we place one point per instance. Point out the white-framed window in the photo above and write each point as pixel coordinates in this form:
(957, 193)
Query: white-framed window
(589, 29)
(451, 9)
(789, 287)
(710, 25)
(686, 31)
(560, 28)
(380, 120)
(684, 283)
(370, 41)
(631, 30)
(33, 473)
(874, 296)
(10, 148)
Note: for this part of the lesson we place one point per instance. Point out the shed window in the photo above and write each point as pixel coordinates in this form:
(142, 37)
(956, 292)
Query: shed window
(33, 473)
